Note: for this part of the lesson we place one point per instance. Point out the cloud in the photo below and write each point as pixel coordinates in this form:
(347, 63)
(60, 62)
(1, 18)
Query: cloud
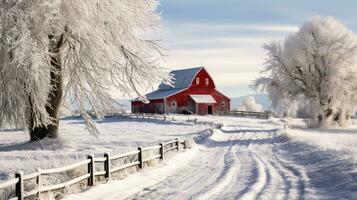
(183, 32)
(219, 42)
(215, 27)
(232, 53)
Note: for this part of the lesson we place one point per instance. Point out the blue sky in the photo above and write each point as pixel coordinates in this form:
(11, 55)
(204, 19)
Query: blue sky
(227, 36)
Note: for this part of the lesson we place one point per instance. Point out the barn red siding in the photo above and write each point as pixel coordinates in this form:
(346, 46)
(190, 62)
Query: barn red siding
(155, 106)
(182, 101)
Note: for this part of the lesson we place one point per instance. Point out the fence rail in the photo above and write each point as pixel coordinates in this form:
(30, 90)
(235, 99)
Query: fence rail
(140, 116)
(90, 162)
(262, 115)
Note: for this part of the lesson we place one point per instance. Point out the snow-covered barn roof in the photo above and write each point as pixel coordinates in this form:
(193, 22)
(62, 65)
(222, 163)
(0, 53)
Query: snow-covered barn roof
(202, 98)
(182, 78)
(160, 94)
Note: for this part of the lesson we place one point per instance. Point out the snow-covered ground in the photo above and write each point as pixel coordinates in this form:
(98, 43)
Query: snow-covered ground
(334, 139)
(249, 159)
(245, 159)
(117, 136)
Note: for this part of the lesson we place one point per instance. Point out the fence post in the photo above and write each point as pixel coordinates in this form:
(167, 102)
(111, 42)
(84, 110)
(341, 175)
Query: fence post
(164, 117)
(140, 157)
(107, 166)
(38, 181)
(195, 120)
(162, 150)
(91, 170)
(178, 144)
(20, 185)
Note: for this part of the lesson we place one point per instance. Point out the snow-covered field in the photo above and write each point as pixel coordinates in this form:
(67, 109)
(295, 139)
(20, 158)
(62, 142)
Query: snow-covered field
(245, 159)
(117, 136)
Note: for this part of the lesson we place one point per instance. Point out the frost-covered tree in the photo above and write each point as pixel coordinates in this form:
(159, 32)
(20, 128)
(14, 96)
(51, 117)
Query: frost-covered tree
(316, 64)
(81, 48)
(249, 104)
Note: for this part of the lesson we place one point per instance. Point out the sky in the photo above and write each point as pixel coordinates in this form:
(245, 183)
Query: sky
(227, 36)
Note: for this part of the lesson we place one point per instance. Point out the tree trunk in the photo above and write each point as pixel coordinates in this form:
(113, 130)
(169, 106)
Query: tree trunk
(324, 118)
(342, 117)
(54, 98)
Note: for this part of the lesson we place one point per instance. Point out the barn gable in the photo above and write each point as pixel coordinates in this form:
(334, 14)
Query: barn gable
(182, 78)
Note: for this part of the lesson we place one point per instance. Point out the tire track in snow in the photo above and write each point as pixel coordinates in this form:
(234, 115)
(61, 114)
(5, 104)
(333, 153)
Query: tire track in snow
(225, 181)
(228, 180)
(299, 192)
(294, 177)
(286, 180)
(246, 169)
(276, 186)
(259, 184)
(229, 168)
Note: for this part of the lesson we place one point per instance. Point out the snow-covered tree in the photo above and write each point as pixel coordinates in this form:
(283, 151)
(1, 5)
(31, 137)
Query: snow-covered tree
(317, 64)
(249, 104)
(81, 48)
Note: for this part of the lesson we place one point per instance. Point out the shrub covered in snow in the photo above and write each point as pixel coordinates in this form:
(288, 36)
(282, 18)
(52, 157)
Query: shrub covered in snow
(249, 104)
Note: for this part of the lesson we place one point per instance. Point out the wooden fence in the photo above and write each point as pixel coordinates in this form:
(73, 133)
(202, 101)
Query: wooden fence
(261, 115)
(153, 116)
(141, 116)
(91, 173)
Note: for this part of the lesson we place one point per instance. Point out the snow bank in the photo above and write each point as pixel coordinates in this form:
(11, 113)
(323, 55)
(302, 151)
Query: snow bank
(327, 139)
(343, 140)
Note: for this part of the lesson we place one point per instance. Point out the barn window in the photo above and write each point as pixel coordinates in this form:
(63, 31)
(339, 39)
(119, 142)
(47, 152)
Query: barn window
(223, 104)
(207, 81)
(197, 80)
(174, 104)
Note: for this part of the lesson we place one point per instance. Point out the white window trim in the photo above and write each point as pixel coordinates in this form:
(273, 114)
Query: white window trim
(207, 81)
(197, 80)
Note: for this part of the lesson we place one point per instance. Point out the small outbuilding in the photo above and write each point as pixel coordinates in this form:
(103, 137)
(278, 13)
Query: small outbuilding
(193, 91)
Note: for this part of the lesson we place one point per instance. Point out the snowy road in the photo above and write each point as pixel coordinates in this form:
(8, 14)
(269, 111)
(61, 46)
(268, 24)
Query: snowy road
(235, 163)
(254, 161)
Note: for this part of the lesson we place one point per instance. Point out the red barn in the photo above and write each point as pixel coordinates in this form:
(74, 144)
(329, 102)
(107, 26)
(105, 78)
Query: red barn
(193, 91)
